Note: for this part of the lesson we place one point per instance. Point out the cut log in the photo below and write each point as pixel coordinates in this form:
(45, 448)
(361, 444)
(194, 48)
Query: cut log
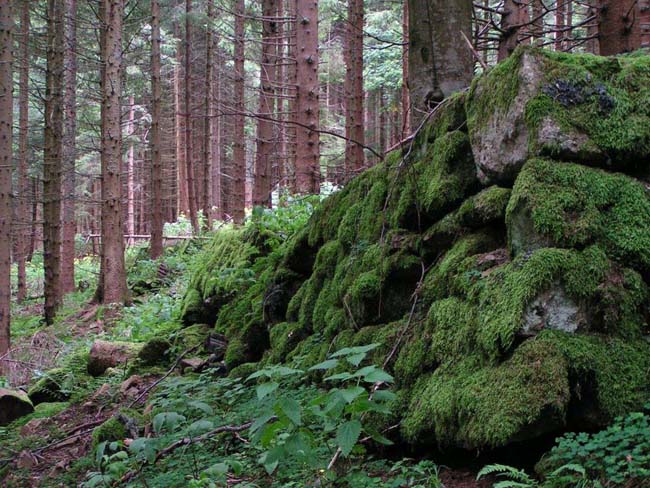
(104, 355)
(13, 405)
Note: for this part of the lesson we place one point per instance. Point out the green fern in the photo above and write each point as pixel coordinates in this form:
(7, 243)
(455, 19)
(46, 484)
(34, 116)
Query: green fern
(517, 478)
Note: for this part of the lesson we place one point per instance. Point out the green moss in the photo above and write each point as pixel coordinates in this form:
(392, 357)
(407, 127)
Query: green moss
(155, 350)
(111, 430)
(243, 371)
(573, 206)
(192, 337)
(469, 405)
(53, 386)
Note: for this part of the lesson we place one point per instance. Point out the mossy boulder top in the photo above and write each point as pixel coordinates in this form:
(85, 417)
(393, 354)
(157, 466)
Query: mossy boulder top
(503, 257)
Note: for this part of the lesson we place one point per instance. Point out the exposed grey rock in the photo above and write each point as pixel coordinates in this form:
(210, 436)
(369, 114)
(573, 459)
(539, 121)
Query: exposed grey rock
(555, 310)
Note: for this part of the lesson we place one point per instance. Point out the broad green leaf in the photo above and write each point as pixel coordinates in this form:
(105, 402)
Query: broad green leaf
(262, 420)
(384, 396)
(266, 389)
(339, 376)
(291, 409)
(329, 364)
(347, 436)
(378, 376)
(355, 359)
(348, 351)
(201, 427)
(204, 407)
(351, 394)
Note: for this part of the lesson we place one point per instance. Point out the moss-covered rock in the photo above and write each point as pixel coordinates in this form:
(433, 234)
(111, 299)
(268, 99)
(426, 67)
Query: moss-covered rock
(508, 313)
(581, 108)
(104, 355)
(53, 386)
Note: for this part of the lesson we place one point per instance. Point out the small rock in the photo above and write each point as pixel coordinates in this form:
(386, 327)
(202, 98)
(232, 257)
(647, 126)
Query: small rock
(131, 387)
(194, 364)
(555, 310)
(104, 355)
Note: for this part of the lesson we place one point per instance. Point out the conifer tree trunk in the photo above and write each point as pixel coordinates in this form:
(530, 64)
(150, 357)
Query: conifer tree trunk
(189, 155)
(307, 105)
(354, 127)
(208, 126)
(183, 204)
(6, 126)
(156, 243)
(262, 173)
(69, 226)
(237, 183)
(53, 159)
(112, 287)
(23, 212)
(130, 172)
(514, 17)
(619, 26)
(440, 61)
(406, 95)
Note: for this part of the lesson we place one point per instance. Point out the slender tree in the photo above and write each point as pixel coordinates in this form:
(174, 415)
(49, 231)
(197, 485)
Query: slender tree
(406, 95)
(354, 127)
(53, 159)
(262, 179)
(209, 122)
(237, 184)
(156, 244)
(515, 17)
(440, 62)
(23, 211)
(69, 225)
(6, 126)
(189, 155)
(112, 286)
(307, 104)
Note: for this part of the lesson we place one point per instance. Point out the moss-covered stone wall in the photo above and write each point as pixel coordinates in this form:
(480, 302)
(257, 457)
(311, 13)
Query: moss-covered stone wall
(502, 256)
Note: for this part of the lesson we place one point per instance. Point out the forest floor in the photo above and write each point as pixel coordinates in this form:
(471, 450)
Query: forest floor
(54, 446)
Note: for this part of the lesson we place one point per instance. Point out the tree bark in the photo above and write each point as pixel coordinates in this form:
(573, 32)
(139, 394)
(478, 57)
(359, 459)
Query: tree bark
(189, 156)
(262, 173)
(53, 159)
(237, 184)
(23, 212)
(354, 126)
(183, 203)
(112, 287)
(514, 18)
(130, 171)
(619, 26)
(440, 61)
(209, 121)
(6, 127)
(406, 96)
(307, 106)
(156, 243)
(69, 227)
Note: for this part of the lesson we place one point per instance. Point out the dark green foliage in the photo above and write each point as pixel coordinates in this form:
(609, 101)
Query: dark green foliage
(617, 456)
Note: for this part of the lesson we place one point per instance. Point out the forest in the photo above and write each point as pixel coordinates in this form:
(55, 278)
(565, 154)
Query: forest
(325, 243)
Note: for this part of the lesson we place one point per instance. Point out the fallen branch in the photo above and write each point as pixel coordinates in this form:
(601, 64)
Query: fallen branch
(186, 441)
(162, 378)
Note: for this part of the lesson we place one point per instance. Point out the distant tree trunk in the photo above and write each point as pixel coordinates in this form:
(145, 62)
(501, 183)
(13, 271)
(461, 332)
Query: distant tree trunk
(69, 149)
(592, 45)
(307, 106)
(189, 156)
(130, 171)
(262, 173)
(289, 168)
(217, 200)
(537, 26)
(22, 180)
(383, 120)
(183, 203)
(6, 128)
(354, 127)
(560, 21)
(237, 184)
(515, 16)
(53, 159)
(156, 243)
(406, 96)
(440, 61)
(619, 26)
(209, 121)
(112, 286)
